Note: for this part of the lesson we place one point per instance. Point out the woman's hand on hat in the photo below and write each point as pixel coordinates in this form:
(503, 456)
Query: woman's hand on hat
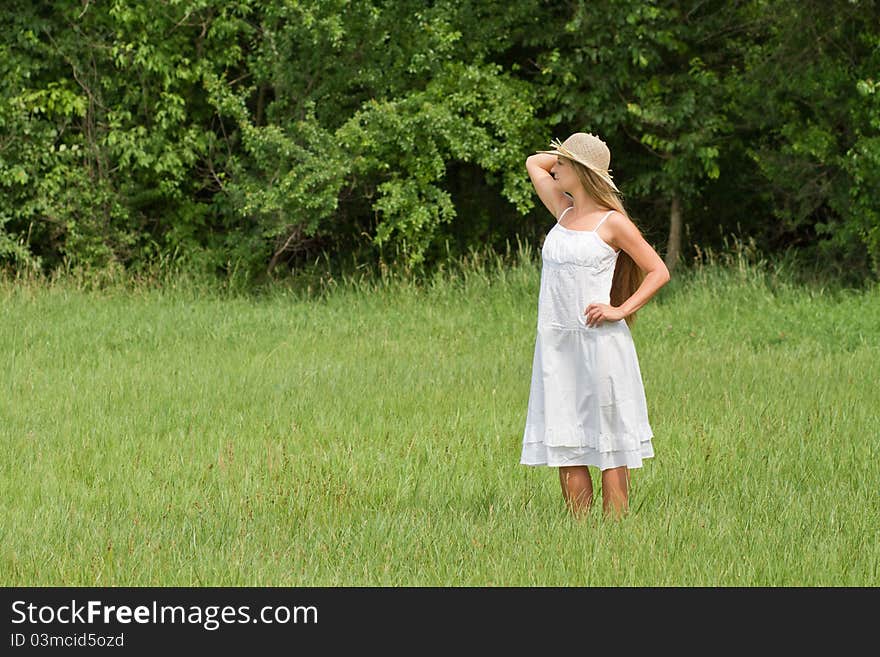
(601, 312)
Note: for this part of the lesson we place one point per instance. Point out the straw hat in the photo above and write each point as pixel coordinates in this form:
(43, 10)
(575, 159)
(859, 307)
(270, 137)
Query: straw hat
(589, 150)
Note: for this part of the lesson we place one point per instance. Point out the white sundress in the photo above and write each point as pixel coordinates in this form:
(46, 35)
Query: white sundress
(586, 400)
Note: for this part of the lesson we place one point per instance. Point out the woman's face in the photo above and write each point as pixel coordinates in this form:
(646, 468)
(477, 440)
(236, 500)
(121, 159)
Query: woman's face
(563, 172)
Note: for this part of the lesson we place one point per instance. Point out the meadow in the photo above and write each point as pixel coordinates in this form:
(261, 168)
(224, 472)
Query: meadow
(171, 435)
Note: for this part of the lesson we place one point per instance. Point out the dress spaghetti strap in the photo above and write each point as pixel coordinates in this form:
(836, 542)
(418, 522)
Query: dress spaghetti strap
(597, 225)
(603, 219)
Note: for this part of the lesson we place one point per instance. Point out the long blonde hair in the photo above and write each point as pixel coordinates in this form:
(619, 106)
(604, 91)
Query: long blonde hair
(627, 274)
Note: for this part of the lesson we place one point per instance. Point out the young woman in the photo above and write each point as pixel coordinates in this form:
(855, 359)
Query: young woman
(587, 403)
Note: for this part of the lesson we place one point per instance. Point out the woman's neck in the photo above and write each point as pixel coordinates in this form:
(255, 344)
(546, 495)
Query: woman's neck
(584, 204)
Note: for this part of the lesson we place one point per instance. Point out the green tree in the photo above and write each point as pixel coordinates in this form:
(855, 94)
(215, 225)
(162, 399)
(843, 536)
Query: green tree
(808, 96)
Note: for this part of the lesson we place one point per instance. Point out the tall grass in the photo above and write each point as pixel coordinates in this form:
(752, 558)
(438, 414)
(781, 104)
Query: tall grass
(365, 430)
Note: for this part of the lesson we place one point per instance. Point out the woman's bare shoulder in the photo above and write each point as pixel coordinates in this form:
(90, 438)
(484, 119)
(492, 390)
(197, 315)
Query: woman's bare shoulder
(621, 220)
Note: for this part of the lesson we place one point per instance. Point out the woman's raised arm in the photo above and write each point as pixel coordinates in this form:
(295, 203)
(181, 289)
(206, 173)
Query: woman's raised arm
(551, 196)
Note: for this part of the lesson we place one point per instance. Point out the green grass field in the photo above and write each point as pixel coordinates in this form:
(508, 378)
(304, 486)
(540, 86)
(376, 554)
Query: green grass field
(163, 436)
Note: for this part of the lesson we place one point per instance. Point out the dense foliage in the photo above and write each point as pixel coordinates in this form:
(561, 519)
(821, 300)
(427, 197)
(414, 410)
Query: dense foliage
(255, 135)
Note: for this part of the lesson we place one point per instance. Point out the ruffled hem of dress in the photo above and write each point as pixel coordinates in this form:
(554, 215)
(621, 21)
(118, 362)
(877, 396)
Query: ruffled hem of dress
(537, 454)
(580, 437)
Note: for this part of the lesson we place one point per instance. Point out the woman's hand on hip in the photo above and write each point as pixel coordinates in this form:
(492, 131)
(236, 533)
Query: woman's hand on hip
(601, 312)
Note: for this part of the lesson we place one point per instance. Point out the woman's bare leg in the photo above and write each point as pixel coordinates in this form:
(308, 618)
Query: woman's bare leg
(615, 491)
(577, 488)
